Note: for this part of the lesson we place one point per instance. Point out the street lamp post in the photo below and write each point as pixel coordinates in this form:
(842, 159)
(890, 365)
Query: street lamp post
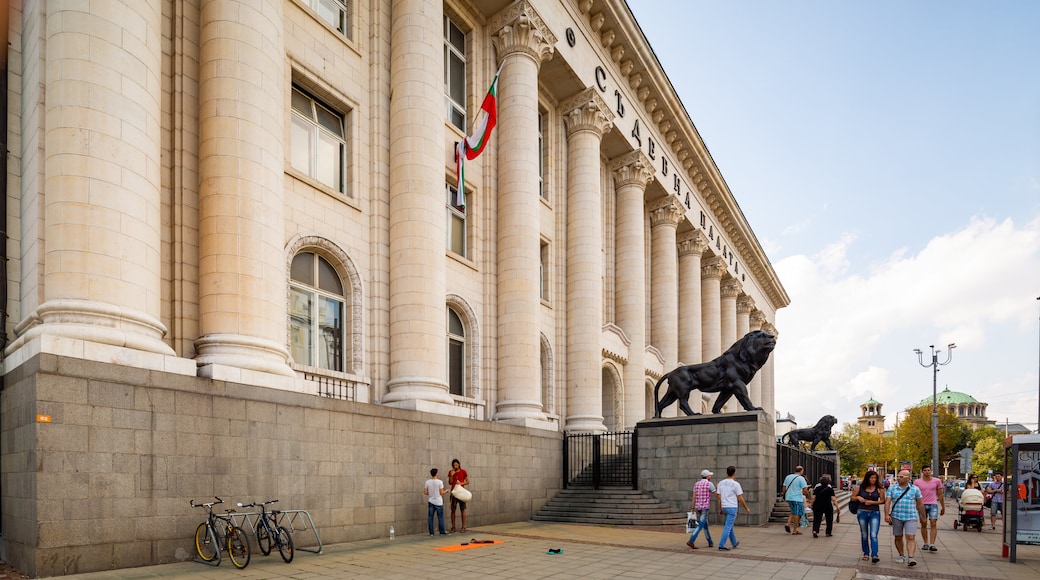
(935, 364)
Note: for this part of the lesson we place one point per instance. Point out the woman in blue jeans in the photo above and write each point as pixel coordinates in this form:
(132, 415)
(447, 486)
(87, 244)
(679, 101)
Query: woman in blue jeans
(870, 498)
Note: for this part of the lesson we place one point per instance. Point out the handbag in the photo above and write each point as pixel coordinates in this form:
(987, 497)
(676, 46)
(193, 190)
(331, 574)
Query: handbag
(462, 494)
(691, 522)
(854, 505)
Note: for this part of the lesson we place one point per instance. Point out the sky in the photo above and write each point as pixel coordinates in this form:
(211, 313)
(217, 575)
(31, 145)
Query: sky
(887, 156)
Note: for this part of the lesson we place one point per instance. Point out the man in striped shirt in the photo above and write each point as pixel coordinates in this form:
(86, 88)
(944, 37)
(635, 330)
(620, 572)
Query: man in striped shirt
(701, 504)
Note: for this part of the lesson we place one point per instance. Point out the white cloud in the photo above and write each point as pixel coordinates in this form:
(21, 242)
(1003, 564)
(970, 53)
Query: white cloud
(849, 335)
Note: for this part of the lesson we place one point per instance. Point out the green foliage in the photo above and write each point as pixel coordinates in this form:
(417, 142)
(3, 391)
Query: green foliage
(914, 436)
(858, 449)
(989, 455)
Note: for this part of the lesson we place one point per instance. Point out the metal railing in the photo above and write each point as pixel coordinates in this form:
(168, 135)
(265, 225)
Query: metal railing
(788, 457)
(295, 520)
(600, 460)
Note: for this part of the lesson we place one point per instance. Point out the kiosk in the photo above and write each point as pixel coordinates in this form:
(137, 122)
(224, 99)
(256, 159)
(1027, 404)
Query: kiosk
(1022, 492)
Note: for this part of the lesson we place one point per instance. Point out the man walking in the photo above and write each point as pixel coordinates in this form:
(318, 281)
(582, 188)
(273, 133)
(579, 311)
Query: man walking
(730, 493)
(934, 505)
(794, 490)
(995, 491)
(701, 504)
(904, 509)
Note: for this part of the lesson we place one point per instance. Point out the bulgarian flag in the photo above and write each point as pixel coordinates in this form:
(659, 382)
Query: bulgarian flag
(473, 145)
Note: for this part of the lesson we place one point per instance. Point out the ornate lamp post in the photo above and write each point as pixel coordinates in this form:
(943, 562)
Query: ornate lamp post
(935, 364)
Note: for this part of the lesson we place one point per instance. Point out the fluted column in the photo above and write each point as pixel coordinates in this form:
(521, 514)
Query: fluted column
(712, 270)
(755, 321)
(101, 174)
(664, 291)
(242, 277)
(586, 117)
(711, 309)
(418, 345)
(522, 41)
(691, 247)
(632, 172)
(745, 304)
(728, 292)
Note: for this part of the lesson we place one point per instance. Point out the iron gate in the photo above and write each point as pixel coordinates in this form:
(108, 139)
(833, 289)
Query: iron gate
(600, 460)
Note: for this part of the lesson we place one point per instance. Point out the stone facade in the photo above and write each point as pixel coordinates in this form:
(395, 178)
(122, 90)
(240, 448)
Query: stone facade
(205, 193)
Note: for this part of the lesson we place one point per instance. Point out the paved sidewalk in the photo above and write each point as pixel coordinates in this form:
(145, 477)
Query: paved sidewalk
(620, 552)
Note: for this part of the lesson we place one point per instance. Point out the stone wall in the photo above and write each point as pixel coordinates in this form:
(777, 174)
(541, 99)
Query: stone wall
(106, 482)
(674, 451)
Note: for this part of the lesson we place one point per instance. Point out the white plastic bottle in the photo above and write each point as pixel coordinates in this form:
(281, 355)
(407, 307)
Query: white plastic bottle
(391, 532)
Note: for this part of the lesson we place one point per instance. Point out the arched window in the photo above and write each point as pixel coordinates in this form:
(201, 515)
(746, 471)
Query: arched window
(317, 313)
(456, 354)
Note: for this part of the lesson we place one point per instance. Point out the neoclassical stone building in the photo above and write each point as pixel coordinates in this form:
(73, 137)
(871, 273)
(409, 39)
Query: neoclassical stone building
(238, 264)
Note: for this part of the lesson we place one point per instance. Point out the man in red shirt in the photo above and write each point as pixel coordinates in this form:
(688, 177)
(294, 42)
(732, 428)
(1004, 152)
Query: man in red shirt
(457, 476)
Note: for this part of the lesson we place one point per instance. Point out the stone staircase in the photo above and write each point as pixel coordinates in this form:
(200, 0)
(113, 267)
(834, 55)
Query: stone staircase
(781, 511)
(616, 507)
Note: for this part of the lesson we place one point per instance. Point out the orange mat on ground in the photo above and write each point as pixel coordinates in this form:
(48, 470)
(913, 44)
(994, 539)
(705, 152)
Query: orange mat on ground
(458, 547)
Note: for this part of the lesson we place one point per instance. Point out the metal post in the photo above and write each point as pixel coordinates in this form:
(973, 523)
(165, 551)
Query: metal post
(935, 364)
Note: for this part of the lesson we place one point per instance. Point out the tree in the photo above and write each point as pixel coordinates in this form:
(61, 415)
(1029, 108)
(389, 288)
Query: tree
(989, 456)
(858, 449)
(914, 436)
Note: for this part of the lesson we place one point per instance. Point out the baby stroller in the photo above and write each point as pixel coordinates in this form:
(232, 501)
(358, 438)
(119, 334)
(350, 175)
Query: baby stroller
(970, 507)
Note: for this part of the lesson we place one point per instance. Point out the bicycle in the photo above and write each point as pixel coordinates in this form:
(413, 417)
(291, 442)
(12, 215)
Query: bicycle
(269, 533)
(219, 533)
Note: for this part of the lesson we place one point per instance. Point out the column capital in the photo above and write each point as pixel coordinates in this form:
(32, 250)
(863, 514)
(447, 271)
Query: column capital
(758, 318)
(632, 168)
(713, 268)
(767, 327)
(745, 304)
(666, 212)
(693, 242)
(731, 288)
(587, 111)
(519, 29)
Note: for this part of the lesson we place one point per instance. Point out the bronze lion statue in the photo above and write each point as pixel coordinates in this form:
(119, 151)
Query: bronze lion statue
(821, 432)
(727, 375)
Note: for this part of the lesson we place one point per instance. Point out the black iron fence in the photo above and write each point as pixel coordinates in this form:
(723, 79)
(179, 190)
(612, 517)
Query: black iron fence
(600, 460)
(788, 457)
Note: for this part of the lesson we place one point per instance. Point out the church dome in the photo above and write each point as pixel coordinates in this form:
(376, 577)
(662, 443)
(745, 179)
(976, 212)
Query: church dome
(948, 397)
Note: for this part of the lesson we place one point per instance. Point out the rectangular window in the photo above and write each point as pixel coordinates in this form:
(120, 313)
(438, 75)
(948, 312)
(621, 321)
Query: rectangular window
(456, 223)
(335, 12)
(318, 141)
(455, 73)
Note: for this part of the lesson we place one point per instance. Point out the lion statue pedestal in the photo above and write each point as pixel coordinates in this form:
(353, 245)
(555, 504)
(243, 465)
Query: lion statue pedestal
(673, 451)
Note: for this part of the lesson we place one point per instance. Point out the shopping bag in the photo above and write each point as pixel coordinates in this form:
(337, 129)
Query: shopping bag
(691, 522)
(462, 494)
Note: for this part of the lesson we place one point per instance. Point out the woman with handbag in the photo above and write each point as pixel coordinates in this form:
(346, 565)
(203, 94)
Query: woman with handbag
(866, 501)
(457, 478)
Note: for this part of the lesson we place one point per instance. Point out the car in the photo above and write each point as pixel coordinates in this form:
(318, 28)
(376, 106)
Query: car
(955, 489)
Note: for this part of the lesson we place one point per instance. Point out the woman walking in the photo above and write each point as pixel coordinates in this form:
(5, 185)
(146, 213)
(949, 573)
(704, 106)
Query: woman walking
(824, 505)
(870, 498)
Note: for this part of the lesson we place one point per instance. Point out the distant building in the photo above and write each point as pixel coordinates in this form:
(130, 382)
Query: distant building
(962, 405)
(870, 418)
(785, 424)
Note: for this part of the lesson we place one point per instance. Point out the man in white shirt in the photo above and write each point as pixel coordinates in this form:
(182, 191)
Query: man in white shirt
(730, 493)
(433, 489)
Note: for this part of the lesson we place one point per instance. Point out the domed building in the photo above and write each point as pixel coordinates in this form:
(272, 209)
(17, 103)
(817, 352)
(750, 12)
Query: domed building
(963, 405)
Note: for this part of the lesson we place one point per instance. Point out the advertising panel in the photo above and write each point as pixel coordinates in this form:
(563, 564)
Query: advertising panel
(1027, 486)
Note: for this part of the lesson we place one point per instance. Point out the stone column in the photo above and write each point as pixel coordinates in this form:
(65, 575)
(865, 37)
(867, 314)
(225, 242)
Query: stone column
(768, 394)
(522, 41)
(745, 304)
(632, 172)
(418, 339)
(664, 290)
(691, 246)
(242, 277)
(101, 172)
(756, 320)
(711, 309)
(712, 270)
(728, 292)
(586, 117)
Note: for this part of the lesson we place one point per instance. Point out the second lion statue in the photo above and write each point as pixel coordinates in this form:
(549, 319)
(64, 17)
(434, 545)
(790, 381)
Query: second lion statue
(727, 375)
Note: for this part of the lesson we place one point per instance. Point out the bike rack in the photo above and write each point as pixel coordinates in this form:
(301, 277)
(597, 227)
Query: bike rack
(296, 519)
